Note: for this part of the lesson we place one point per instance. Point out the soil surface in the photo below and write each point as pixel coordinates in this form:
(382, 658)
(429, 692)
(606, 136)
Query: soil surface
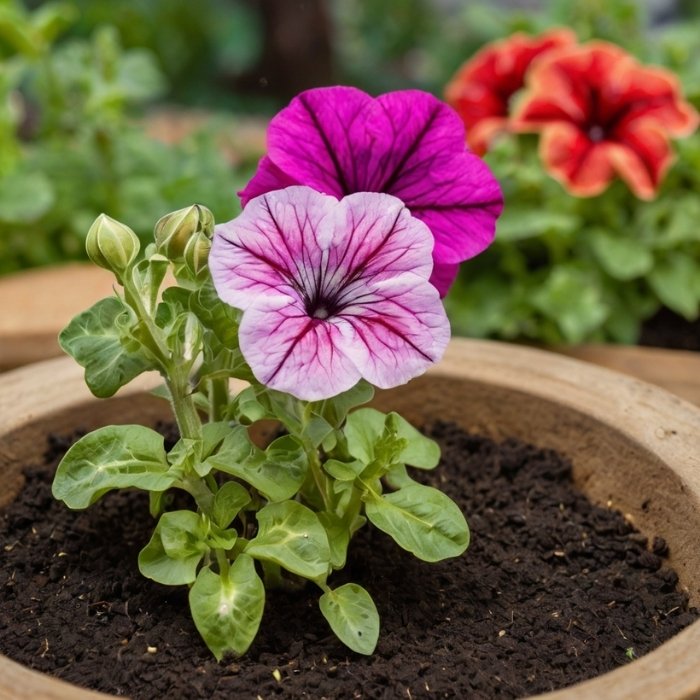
(669, 330)
(551, 591)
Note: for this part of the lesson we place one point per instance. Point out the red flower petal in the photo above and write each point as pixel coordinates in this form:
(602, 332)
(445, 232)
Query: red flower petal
(482, 88)
(582, 166)
(602, 113)
(642, 158)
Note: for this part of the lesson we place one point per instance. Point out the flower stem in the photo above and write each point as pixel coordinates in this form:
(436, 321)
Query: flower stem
(218, 398)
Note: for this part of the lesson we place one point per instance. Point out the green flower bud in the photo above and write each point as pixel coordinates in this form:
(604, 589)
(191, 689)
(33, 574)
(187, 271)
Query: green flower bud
(111, 245)
(174, 231)
(197, 254)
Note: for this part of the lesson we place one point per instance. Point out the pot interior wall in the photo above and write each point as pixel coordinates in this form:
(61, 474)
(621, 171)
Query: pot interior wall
(608, 465)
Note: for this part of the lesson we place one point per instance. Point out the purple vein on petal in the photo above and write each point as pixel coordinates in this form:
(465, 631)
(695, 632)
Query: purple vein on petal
(362, 305)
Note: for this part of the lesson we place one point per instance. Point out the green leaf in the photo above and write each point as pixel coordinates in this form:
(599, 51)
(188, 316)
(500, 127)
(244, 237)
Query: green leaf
(186, 457)
(318, 429)
(249, 407)
(185, 338)
(291, 535)
(114, 457)
(382, 440)
(397, 477)
(352, 615)
(338, 538)
(422, 520)
(213, 435)
(363, 429)
(175, 549)
(521, 223)
(228, 502)
(227, 607)
(216, 315)
(622, 258)
(278, 472)
(147, 276)
(420, 451)
(676, 281)
(336, 409)
(221, 538)
(25, 197)
(93, 339)
(573, 299)
(344, 471)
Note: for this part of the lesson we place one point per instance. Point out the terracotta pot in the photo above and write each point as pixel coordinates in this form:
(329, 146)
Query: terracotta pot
(597, 417)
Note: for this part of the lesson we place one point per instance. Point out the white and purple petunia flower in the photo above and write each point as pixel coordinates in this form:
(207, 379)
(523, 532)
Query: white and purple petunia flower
(340, 140)
(331, 291)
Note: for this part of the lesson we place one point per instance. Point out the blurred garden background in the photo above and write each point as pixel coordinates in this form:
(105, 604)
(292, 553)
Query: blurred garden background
(137, 108)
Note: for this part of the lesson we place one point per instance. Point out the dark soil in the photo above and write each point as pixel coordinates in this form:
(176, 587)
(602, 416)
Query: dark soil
(669, 330)
(552, 591)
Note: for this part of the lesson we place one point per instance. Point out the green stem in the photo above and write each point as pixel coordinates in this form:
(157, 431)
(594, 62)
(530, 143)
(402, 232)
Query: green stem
(319, 477)
(188, 421)
(353, 508)
(176, 380)
(218, 398)
(222, 561)
(201, 493)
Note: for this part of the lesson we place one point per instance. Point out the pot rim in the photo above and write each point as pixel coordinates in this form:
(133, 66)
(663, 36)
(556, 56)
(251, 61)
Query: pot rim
(663, 425)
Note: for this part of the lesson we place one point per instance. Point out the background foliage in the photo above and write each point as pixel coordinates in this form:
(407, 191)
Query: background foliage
(75, 78)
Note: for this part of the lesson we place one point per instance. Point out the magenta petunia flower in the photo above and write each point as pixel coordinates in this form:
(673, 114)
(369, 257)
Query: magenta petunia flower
(331, 291)
(339, 140)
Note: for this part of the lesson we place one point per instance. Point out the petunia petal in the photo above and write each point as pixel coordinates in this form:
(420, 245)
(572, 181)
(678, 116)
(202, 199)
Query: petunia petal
(385, 241)
(274, 246)
(268, 177)
(339, 140)
(653, 93)
(320, 140)
(482, 89)
(444, 274)
(444, 185)
(398, 331)
(642, 157)
(582, 166)
(291, 352)
(331, 290)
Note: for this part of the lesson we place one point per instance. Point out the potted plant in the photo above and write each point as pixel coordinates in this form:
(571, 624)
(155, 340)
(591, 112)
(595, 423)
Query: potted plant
(312, 297)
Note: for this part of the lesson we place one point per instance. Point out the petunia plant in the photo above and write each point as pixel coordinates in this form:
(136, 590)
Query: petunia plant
(292, 312)
(600, 229)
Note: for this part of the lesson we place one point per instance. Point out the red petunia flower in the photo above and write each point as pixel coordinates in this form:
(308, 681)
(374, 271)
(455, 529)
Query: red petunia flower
(601, 113)
(482, 88)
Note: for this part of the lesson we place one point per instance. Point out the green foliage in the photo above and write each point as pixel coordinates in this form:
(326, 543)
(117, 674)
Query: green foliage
(70, 146)
(422, 520)
(94, 339)
(114, 457)
(175, 550)
(227, 607)
(286, 509)
(291, 535)
(353, 616)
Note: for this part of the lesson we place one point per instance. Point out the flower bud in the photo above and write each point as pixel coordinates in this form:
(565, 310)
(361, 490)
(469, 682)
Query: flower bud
(174, 231)
(197, 254)
(111, 244)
